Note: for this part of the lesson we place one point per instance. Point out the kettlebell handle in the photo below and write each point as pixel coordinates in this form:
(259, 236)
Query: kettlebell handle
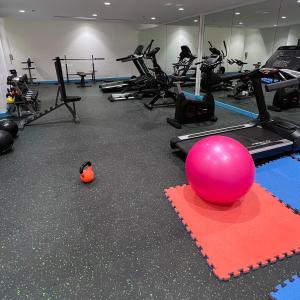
(87, 164)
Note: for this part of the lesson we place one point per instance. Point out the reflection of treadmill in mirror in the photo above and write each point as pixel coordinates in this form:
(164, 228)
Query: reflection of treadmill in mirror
(264, 137)
(286, 57)
(144, 86)
(137, 59)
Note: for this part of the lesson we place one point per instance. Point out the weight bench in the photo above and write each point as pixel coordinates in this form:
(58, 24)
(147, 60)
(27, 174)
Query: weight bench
(82, 83)
(61, 100)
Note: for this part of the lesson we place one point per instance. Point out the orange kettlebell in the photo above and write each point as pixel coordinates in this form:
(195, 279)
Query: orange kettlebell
(87, 174)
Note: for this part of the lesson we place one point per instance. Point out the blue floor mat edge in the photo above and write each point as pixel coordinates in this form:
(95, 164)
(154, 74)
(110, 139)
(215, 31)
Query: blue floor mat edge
(282, 178)
(289, 290)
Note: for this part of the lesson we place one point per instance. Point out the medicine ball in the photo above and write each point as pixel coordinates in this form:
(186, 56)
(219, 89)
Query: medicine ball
(6, 141)
(9, 126)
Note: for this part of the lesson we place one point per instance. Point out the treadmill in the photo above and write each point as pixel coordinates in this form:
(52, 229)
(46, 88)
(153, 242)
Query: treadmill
(264, 137)
(144, 86)
(137, 59)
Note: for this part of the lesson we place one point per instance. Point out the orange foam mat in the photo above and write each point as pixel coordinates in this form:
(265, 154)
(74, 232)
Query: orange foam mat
(235, 239)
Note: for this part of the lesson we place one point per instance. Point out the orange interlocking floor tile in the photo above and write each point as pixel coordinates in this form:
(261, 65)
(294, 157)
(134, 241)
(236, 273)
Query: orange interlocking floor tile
(235, 239)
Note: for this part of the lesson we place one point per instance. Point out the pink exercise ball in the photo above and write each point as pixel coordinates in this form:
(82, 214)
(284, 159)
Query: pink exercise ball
(220, 170)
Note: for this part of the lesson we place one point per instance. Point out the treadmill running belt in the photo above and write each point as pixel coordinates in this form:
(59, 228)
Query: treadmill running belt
(260, 142)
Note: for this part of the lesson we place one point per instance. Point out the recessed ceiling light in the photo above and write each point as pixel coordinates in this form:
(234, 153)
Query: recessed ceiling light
(283, 17)
(181, 8)
(237, 13)
(22, 10)
(195, 20)
(95, 15)
(298, 1)
(153, 18)
(275, 25)
(241, 23)
(107, 3)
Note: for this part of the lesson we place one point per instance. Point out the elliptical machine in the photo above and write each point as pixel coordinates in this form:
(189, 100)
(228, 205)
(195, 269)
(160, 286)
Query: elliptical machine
(195, 111)
(165, 84)
(219, 69)
(286, 98)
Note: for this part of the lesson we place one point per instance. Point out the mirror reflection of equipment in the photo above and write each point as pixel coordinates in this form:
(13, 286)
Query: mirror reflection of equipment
(264, 137)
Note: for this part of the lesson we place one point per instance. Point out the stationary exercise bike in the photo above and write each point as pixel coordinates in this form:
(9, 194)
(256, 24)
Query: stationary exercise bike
(196, 111)
(165, 83)
(243, 89)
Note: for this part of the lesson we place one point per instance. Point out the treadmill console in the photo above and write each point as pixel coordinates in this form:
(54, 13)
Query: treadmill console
(286, 57)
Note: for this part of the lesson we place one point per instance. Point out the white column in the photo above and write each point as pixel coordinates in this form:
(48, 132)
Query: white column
(200, 52)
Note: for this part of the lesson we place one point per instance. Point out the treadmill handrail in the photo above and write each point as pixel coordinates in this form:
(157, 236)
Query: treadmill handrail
(129, 58)
(282, 84)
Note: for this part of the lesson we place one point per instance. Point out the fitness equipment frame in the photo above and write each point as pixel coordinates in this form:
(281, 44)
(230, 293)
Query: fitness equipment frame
(92, 59)
(192, 111)
(145, 85)
(61, 100)
(29, 69)
(241, 90)
(221, 55)
(127, 85)
(286, 98)
(195, 111)
(22, 96)
(165, 84)
(264, 137)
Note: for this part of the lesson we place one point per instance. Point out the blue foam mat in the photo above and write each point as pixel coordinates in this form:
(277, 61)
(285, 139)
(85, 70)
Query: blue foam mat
(290, 290)
(297, 156)
(282, 179)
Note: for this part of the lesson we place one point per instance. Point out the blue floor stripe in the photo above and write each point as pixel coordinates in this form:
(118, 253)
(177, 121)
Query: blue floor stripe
(282, 179)
(290, 290)
(221, 104)
(3, 114)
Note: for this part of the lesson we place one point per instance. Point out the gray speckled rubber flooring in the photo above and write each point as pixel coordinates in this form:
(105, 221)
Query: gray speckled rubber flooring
(117, 238)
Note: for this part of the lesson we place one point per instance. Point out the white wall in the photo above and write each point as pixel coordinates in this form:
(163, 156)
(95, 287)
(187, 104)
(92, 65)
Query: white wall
(3, 66)
(44, 40)
(294, 35)
(159, 35)
(258, 49)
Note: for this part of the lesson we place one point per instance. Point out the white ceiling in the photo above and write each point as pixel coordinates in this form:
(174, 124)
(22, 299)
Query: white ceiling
(137, 11)
(261, 15)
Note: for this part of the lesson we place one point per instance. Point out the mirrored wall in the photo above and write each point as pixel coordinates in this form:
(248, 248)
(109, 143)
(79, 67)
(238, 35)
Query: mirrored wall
(251, 33)
(170, 38)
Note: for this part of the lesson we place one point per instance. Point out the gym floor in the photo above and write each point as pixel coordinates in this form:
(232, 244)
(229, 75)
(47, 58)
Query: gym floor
(118, 238)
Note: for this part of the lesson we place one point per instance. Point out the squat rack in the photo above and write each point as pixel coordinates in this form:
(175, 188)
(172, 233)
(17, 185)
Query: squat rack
(92, 59)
